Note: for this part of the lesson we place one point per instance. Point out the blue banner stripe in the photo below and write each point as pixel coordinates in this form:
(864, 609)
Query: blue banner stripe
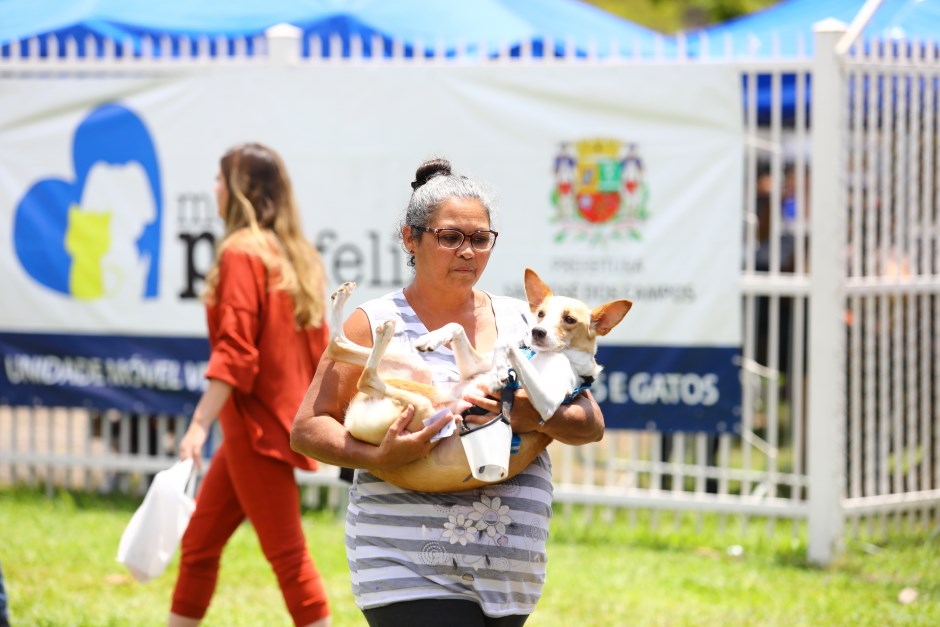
(668, 388)
(127, 373)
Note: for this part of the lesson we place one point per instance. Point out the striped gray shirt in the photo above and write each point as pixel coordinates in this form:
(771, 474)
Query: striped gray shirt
(486, 545)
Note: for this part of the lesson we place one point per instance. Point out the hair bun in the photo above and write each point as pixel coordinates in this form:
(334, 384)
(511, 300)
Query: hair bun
(428, 170)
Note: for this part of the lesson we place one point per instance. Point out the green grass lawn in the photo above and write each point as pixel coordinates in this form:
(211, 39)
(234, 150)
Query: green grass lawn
(58, 557)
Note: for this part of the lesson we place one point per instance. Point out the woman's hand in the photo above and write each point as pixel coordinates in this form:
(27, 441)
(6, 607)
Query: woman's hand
(579, 422)
(480, 397)
(192, 443)
(522, 414)
(210, 404)
(401, 446)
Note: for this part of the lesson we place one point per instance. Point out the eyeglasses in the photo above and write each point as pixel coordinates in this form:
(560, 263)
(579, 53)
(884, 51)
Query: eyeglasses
(453, 239)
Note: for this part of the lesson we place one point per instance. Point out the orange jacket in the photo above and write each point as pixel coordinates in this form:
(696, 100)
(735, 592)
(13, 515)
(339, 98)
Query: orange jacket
(257, 348)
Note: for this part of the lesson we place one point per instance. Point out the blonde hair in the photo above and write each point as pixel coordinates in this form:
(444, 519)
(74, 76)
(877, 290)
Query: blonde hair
(262, 219)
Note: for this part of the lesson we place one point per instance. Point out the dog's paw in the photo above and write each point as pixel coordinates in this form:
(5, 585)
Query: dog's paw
(429, 342)
(387, 326)
(497, 378)
(499, 369)
(343, 292)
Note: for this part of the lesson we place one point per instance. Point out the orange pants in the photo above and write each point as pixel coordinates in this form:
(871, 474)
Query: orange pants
(241, 483)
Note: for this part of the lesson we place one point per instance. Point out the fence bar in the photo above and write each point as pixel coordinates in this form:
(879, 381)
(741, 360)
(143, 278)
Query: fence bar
(826, 347)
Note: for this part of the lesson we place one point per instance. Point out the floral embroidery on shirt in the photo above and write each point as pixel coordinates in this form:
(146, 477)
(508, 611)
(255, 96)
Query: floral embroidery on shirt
(459, 529)
(491, 516)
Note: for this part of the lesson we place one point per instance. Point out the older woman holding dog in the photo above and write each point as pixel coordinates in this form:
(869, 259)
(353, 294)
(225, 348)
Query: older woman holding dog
(465, 559)
(265, 310)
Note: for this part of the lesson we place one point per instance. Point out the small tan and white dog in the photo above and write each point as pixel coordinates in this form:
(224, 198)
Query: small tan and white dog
(564, 339)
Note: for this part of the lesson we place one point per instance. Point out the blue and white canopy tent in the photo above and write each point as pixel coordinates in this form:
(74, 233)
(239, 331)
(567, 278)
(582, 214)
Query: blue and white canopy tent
(419, 26)
(786, 28)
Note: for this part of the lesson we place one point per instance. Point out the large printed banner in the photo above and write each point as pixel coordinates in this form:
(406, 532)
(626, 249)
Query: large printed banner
(612, 182)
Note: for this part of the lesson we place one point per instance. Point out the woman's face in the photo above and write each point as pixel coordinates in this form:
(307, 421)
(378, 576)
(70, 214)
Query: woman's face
(459, 267)
(221, 194)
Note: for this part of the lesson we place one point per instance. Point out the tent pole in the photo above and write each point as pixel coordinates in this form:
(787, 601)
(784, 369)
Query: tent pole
(858, 24)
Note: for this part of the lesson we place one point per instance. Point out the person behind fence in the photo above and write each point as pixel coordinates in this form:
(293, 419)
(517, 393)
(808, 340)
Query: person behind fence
(471, 558)
(265, 299)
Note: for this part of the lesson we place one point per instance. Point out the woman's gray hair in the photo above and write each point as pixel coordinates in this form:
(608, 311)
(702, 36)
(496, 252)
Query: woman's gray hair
(434, 184)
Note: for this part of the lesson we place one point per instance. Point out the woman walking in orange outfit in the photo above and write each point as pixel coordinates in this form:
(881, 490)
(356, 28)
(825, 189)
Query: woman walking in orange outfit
(264, 306)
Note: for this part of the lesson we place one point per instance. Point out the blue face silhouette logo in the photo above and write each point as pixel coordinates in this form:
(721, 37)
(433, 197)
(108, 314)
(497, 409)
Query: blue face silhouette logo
(99, 234)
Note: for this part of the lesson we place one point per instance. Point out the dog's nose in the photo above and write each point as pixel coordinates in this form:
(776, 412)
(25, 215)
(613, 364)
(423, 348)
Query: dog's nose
(538, 333)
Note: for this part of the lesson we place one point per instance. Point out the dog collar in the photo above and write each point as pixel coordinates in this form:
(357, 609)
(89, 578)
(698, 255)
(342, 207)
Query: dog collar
(586, 383)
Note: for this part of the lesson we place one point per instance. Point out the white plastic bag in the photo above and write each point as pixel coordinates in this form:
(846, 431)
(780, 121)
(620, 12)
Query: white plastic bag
(155, 529)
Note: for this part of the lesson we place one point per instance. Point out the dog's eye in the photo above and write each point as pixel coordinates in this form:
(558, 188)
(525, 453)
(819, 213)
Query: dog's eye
(540, 314)
(570, 320)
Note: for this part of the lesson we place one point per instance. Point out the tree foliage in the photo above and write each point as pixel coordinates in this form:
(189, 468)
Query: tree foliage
(672, 16)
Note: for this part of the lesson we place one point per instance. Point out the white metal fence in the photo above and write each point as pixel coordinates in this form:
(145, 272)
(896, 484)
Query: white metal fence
(837, 424)
(892, 230)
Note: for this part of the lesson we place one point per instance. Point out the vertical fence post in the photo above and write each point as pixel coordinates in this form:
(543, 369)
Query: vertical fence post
(283, 44)
(827, 359)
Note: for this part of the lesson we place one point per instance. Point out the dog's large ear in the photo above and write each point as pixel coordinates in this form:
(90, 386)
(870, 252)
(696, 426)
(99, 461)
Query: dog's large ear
(535, 289)
(606, 317)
